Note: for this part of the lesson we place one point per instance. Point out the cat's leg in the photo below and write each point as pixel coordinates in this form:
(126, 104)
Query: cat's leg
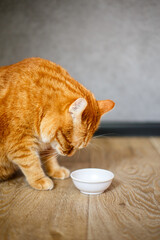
(29, 162)
(52, 166)
(7, 168)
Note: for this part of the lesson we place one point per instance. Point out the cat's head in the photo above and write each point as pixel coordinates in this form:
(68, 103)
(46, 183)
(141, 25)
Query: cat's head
(78, 124)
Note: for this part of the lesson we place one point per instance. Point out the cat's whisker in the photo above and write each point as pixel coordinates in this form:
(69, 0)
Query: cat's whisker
(86, 149)
(48, 159)
(95, 146)
(78, 154)
(48, 155)
(104, 135)
(99, 136)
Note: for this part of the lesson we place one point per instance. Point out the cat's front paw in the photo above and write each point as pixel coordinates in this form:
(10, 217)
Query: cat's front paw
(44, 183)
(61, 173)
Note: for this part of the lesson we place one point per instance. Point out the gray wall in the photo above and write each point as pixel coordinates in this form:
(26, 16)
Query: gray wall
(110, 46)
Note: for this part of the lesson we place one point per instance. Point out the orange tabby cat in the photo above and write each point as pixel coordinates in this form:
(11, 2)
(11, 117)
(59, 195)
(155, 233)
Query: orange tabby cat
(43, 111)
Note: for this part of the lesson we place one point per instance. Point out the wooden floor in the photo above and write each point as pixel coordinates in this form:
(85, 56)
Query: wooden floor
(129, 209)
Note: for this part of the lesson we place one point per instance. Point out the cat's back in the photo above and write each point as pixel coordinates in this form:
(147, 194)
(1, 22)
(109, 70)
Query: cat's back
(3, 79)
(25, 72)
(31, 69)
(39, 76)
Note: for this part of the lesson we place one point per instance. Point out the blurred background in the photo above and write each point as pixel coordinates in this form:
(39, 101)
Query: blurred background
(110, 46)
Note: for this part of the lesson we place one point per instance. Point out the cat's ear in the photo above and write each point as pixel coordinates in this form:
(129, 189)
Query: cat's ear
(105, 106)
(77, 107)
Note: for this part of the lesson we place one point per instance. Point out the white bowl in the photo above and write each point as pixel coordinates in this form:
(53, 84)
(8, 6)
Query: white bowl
(92, 180)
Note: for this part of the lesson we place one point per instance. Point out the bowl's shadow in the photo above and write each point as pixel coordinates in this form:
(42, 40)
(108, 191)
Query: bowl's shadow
(115, 183)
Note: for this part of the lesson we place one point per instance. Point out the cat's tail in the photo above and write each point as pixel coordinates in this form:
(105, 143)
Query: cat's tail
(7, 170)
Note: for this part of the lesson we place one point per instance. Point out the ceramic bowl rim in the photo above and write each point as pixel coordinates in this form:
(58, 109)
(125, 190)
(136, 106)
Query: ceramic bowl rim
(94, 182)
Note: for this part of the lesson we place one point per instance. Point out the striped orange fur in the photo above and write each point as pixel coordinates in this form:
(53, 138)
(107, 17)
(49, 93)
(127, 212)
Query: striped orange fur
(43, 112)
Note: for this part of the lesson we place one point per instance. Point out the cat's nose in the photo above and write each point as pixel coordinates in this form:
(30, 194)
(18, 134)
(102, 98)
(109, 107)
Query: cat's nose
(71, 153)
